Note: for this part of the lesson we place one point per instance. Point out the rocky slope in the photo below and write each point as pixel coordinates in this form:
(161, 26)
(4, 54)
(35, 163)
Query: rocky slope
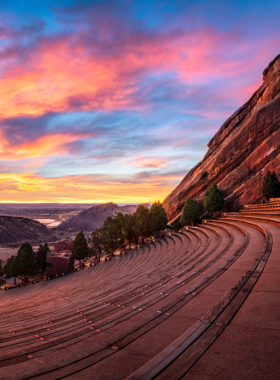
(15, 231)
(93, 218)
(240, 153)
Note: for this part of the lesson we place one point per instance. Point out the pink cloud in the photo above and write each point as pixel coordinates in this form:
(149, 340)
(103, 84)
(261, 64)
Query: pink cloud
(146, 162)
(67, 73)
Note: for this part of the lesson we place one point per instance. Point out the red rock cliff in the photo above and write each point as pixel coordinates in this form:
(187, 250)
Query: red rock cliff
(240, 153)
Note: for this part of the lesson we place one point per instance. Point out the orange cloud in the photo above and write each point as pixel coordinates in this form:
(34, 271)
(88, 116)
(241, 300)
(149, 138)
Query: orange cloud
(29, 187)
(43, 146)
(17, 182)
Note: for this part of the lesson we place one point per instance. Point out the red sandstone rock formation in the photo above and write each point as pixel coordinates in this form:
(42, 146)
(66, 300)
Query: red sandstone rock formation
(240, 153)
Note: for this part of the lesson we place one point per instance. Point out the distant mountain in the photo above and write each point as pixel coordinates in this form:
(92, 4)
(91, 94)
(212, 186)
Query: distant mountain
(93, 218)
(240, 153)
(132, 208)
(15, 231)
(26, 209)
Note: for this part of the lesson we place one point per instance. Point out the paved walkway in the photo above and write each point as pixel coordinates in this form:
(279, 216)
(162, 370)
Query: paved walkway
(249, 347)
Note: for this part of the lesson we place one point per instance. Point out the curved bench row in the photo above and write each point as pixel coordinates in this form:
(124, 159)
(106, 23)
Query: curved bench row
(177, 359)
(75, 325)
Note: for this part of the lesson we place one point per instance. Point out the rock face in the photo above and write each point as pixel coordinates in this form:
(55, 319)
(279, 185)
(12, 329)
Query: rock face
(15, 231)
(93, 218)
(240, 153)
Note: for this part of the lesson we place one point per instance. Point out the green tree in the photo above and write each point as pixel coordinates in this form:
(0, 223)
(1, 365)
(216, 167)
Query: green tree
(143, 224)
(96, 247)
(271, 186)
(11, 268)
(213, 200)
(112, 233)
(26, 260)
(158, 216)
(190, 212)
(119, 221)
(80, 248)
(176, 225)
(129, 229)
(41, 258)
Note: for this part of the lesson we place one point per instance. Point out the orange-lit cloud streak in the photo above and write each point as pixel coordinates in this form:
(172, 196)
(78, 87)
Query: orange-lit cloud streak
(48, 145)
(33, 188)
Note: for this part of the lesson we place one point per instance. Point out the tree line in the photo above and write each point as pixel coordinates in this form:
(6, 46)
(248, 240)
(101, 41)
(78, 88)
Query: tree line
(213, 202)
(121, 231)
(214, 199)
(115, 234)
(127, 229)
(26, 262)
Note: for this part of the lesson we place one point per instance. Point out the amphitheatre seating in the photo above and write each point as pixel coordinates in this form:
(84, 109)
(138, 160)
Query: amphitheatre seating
(156, 312)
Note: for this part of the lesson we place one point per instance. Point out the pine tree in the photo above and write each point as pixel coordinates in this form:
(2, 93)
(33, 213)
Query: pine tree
(158, 216)
(112, 233)
(213, 200)
(271, 186)
(190, 212)
(80, 247)
(143, 224)
(26, 260)
(41, 259)
(11, 268)
(96, 246)
(129, 229)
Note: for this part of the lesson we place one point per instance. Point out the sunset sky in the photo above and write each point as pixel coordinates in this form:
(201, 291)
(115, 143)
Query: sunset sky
(116, 100)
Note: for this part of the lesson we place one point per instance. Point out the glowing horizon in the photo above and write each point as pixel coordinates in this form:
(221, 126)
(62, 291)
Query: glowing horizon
(105, 102)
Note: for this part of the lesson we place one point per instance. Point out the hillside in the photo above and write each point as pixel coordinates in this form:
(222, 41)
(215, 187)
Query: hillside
(15, 231)
(93, 218)
(240, 153)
